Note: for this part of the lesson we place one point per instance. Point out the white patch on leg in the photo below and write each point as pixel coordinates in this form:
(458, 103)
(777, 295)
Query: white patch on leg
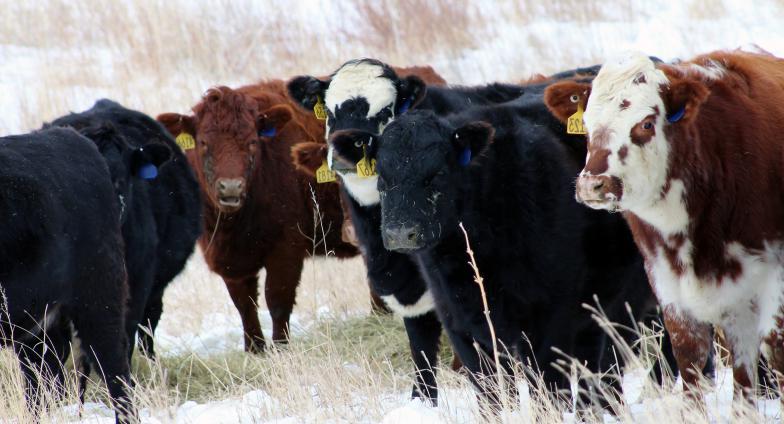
(355, 80)
(422, 306)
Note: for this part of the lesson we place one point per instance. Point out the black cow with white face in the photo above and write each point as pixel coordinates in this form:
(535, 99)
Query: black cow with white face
(361, 98)
(61, 262)
(160, 202)
(509, 180)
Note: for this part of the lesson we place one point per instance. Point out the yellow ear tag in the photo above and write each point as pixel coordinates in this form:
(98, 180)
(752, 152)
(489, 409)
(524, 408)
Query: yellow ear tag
(185, 141)
(574, 125)
(320, 110)
(366, 168)
(324, 174)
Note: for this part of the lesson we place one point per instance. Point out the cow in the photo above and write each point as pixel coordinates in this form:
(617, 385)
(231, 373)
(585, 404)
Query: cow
(159, 200)
(61, 261)
(258, 210)
(366, 95)
(690, 154)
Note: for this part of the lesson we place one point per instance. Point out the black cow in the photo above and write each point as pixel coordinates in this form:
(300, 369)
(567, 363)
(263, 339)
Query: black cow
(61, 260)
(366, 95)
(160, 202)
(509, 180)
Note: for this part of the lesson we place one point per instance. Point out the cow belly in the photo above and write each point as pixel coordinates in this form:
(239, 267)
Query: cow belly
(745, 307)
(422, 306)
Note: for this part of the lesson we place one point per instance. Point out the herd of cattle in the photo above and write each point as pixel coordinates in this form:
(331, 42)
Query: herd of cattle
(102, 208)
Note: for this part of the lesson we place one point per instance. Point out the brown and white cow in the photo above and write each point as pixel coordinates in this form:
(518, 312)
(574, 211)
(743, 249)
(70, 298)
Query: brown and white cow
(258, 210)
(693, 154)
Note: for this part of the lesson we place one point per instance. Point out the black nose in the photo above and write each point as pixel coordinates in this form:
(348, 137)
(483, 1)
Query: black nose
(402, 237)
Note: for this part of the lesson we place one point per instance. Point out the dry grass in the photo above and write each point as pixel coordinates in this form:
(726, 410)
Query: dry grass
(342, 364)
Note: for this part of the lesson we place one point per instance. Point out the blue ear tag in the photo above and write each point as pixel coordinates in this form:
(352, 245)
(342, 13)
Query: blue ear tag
(268, 132)
(675, 117)
(465, 157)
(148, 171)
(404, 107)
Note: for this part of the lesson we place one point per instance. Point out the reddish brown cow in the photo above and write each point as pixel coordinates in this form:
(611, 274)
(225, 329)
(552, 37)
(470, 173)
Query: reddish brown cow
(258, 210)
(693, 155)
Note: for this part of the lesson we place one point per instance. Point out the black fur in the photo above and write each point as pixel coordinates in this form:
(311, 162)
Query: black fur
(61, 258)
(541, 254)
(161, 217)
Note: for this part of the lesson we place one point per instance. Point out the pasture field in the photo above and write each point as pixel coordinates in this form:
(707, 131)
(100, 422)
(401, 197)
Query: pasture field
(343, 365)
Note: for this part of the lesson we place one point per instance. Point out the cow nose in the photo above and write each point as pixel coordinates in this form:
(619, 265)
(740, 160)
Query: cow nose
(402, 237)
(230, 187)
(598, 189)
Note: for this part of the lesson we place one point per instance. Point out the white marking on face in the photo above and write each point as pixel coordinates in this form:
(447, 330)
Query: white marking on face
(643, 171)
(355, 80)
(362, 189)
(422, 306)
(745, 308)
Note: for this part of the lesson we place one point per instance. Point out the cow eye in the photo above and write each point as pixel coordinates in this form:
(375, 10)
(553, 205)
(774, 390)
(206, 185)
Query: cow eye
(647, 125)
(575, 98)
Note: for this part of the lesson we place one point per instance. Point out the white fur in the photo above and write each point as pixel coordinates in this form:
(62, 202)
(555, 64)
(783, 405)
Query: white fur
(356, 80)
(363, 190)
(668, 215)
(745, 308)
(644, 170)
(422, 306)
(711, 71)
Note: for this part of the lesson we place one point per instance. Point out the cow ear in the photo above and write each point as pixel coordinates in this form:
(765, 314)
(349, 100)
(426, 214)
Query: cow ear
(309, 156)
(683, 98)
(272, 120)
(471, 140)
(410, 92)
(307, 90)
(176, 124)
(147, 159)
(562, 98)
(346, 142)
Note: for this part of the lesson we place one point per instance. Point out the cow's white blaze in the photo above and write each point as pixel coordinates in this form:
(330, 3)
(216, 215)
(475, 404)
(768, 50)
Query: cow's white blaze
(361, 80)
(746, 308)
(643, 171)
(422, 306)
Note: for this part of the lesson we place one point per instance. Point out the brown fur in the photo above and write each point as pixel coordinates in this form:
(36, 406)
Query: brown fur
(274, 227)
(558, 98)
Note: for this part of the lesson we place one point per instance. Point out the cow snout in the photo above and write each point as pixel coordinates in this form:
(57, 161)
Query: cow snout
(599, 191)
(402, 238)
(230, 191)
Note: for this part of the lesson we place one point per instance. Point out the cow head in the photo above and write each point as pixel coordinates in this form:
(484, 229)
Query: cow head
(228, 126)
(422, 162)
(128, 165)
(633, 115)
(563, 98)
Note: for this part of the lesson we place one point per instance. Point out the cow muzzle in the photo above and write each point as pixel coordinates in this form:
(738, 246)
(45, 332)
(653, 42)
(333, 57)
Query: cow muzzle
(402, 238)
(599, 191)
(230, 192)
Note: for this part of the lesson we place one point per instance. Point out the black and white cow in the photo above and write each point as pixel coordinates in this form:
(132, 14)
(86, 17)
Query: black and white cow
(366, 95)
(61, 260)
(160, 202)
(509, 180)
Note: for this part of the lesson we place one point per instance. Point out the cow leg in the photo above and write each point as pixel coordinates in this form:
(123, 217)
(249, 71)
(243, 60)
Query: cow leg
(103, 336)
(152, 315)
(284, 267)
(424, 332)
(244, 292)
(743, 341)
(691, 344)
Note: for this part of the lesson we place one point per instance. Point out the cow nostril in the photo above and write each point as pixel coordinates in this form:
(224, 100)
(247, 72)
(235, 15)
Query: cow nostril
(411, 236)
(598, 185)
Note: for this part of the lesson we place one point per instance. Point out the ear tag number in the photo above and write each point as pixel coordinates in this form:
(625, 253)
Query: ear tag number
(365, 167)
(324, 174)
(575, 125)
(185, 141)
(320, 110)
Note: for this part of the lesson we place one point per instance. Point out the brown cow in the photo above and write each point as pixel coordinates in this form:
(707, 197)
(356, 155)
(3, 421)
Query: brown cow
(693, 155)
(258, 210)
